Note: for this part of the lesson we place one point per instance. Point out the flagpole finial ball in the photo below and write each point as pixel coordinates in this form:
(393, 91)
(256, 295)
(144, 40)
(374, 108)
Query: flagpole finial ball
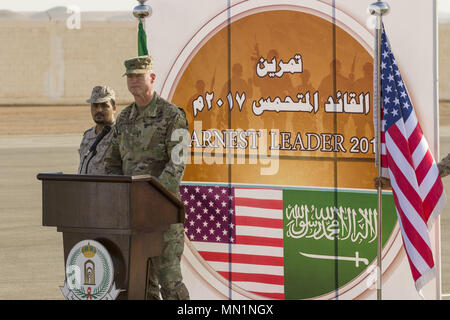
(142, 11)
(379, 8)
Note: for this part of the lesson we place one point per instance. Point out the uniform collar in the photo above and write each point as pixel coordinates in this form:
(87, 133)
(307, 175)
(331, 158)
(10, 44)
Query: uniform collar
(148, 111)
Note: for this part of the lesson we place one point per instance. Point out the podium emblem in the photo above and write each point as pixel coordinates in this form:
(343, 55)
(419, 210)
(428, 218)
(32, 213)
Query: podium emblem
(89, 273)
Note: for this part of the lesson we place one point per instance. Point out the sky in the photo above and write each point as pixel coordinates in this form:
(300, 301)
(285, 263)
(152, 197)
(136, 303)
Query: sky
(84, 5)
(443, 6)
(108, 5)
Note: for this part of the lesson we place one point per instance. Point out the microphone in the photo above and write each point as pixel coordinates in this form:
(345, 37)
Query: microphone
(93, 148)
(101, 135)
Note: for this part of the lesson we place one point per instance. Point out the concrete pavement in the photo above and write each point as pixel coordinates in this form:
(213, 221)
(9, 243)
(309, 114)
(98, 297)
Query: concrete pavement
(31, 256)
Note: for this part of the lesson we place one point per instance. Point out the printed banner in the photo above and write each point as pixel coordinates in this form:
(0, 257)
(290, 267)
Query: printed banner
(278, 187)
(285, 244)
(271, 95)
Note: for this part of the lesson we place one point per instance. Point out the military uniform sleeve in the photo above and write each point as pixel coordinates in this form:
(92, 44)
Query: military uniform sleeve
(113, 160)
(82, 151)
(176, 147)
(444, 166)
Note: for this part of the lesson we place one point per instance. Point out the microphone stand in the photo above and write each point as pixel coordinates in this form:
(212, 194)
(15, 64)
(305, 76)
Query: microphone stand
(93, 148)
(87, 164)
(82, 163)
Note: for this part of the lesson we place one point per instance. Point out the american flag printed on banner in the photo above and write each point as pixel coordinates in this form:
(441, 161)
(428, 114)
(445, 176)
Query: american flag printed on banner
(406, 159)
(239, 232)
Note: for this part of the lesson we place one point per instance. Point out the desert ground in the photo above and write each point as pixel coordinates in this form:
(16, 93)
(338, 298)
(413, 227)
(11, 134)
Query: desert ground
(46, 139)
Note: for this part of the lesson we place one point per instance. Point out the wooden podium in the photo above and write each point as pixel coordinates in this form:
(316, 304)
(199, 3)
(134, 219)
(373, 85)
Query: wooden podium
(126, 214)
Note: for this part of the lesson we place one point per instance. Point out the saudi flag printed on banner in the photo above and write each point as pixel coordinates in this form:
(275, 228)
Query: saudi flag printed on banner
(285, 243)
(142, 41)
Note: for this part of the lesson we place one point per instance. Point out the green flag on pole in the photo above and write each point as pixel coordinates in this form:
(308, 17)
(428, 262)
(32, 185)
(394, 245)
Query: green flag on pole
(142, 41)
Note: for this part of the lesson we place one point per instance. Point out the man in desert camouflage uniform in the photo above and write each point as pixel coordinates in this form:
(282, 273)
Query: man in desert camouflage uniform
(142, 144)
(103, 108)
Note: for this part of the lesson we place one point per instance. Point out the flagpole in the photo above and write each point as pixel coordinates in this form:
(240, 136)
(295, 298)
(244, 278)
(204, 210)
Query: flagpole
(141, 12)
(378, 9)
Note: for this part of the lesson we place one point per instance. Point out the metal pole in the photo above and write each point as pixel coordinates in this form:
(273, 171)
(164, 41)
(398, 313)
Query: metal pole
(141, 12)
(378, 9)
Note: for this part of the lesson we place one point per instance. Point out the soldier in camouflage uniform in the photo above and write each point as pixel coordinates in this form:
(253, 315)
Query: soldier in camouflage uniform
(103, 108)
(142, 144)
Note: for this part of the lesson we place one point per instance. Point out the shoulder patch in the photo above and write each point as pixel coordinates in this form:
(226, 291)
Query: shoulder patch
(181, 110)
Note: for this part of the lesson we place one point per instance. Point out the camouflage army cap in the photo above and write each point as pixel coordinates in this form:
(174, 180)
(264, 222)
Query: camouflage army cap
(138, 65)
(101, 94)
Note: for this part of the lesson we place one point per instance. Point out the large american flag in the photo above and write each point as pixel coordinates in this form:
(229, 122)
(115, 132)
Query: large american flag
(407, 161)
(239, 233)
